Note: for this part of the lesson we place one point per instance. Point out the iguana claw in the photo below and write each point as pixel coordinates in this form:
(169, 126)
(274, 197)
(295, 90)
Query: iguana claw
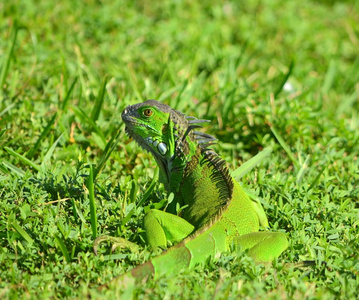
(116, 242)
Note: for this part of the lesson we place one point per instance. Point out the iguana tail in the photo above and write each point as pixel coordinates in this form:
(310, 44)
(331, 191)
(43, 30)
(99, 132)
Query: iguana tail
(169, 261)
(195, 249)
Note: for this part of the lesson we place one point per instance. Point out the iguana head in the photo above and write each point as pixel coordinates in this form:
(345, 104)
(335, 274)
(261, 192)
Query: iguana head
(165, 132)
(149, 124)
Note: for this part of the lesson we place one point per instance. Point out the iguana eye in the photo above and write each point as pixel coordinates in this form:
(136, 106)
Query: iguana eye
(148, 112)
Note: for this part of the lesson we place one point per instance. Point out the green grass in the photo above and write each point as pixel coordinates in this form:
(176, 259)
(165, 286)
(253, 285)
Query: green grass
(279, 74)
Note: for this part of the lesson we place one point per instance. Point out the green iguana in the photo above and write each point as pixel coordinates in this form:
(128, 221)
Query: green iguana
(217, 214)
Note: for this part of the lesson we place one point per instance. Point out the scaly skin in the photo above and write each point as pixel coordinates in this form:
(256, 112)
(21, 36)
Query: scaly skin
(217, 213)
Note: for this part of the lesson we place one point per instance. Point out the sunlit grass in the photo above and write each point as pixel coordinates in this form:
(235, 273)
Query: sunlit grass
(270, 75)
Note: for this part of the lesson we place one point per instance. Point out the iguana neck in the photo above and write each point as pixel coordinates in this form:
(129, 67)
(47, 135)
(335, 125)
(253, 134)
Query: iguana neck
(200, 180)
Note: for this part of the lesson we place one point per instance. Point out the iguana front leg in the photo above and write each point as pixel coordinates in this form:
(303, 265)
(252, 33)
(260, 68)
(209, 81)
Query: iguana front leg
(258, 208)
(161, 230)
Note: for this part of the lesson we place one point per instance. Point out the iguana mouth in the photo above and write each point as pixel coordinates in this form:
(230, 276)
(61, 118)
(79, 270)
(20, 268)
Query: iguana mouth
(130, 122)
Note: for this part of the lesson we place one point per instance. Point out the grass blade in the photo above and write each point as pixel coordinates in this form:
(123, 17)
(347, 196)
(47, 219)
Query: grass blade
(132, 78)
(68, 94)
(14, 169)
(99, 101)
(63, 248)
(284, 146)
(22, 232)
(111, 145)
(2, 131)
(329, 77)
(145, 196)
(133, 193)
(4, 170)
(43, 135)
(285, 79)
(98, 140)
(91, 190)
(348, 102)
(315, 181)
(9, 55)
(78, 213)
(49, 153)
(250, 164)
(23, 159)
(6, 109)
(86, 119)
(302, 170)
(150, 188)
